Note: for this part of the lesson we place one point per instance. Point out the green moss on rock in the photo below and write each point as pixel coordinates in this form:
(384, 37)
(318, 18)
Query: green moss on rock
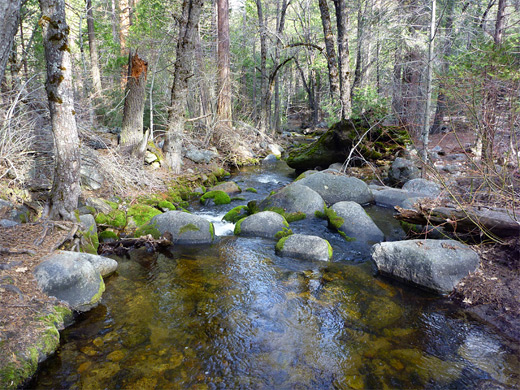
(238, 229)
(219, 197)
(280, 244)
(212, 230)
(107, 235)
(236, 213)
(164, 204)
(251, 189)
(142, 213)
(115, 218)
(188, 228)
(148, 229)
(285, 232)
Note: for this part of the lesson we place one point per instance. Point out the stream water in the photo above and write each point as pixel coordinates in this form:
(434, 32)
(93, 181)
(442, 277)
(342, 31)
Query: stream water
(235, 315)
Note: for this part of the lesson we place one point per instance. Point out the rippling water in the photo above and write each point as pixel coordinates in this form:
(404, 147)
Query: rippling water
(235, 315)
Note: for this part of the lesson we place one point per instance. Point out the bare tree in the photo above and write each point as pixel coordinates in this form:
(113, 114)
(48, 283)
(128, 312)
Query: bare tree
(66, 187)
(94, 57)
(9, 19)
(329, 46)
(343, 58)
(224, 76)
(187, 28)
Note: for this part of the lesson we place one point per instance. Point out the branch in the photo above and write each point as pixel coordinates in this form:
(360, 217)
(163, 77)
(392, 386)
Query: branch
(312, 45)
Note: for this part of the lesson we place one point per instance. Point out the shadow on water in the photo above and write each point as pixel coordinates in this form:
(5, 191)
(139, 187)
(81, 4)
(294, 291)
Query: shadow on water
(235, 315)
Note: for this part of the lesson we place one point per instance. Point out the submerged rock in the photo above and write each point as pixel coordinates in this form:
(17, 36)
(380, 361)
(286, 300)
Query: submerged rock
(304, 247)
(357, 223)
(335, 188)
(295, 198)
(72, 277)
(263, 224)
(436, 265)
(185, 228)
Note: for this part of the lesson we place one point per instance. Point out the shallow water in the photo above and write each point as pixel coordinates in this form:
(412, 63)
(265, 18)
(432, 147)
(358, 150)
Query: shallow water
(235, 315)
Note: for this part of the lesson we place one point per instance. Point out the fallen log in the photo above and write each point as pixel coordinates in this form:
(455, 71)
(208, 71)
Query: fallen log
(467, 219)
(124, 245)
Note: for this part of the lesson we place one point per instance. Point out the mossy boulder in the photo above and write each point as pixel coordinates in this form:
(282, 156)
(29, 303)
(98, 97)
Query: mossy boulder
(141, 213)
(236, 213)
(356, 223)
(334, 145)
(185, 228)
(264, 224)
(294, 198)
(115, 218)
(229, 187)
(218, 197)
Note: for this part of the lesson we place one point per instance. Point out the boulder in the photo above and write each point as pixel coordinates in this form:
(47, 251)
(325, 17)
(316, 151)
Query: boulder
(422, 186)
(295, 198)
(91, 176)
(229, 187)
(88, 223)
(436, 265)
(14, 213)
(263, 224)
(336, 167)
(71, 277)
(200, 155)
(335, 188)
(149, 157)
(357, 223)
(335, 144)
(304, 247)
(270, 159)
(275, 149)
(403, 170)
(185, 228)
(99, 205)
(391, 197)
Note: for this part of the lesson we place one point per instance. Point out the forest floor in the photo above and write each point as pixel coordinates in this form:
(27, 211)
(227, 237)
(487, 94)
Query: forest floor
(492, 293)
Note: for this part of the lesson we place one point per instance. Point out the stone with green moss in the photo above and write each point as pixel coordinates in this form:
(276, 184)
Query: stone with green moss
(238, 228)
(218, 197)
(304, 247)
(236, 213)
(107, 235)
(283, 233)
(251, 189)
(89, 242)
(142, 213)
(188, 228)
(263, 224)
(116, 218)
(148, 229)
(165, 205)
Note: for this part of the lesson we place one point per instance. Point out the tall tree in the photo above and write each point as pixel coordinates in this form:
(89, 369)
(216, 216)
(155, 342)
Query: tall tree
(66, 186)
(93, 49)
(264, 88)
(343, 58)
(185, 44)
(135, 95)
(9, 19)
(224, 72)
(329, 46)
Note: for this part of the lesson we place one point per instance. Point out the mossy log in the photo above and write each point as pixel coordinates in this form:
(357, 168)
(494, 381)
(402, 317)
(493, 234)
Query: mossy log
(467, 220)
(333, 146)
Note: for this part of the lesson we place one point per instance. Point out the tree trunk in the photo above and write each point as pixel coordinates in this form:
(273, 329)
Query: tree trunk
(329, 46)
(429, 75)
(264, 109)
(499, 25)
(224, 77)
(66, 187)
(9, 19)
(113, 17)
(94, 58)
(124, 28)
(343, 58)
(187, 27)
(135, 96)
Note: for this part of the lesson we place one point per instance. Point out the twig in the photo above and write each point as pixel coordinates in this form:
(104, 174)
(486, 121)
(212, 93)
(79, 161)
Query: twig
(17, 252)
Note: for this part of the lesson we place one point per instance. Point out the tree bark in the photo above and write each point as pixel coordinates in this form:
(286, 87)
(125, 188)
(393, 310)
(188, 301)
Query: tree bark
(187, 27)
(135, 96)
(499, 24)
(329, 46)
(343, 58)
(66, 186)
(92, 44)
(224, 77)
(264, 109)
(9, 19)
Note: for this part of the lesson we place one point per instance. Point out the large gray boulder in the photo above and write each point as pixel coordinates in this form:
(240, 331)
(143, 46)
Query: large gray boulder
(185, 228)
(403, 170)
(88, 223)
(357, 223)
(295, 198)
(263, 224)
(335, 188)
(71, 277)
(422, 186)
(229, 187)
(436, 265)
(200, 155)
(304, 247)
(390, 197)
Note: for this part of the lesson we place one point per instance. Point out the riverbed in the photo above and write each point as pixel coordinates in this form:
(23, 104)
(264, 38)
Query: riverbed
(235, 315)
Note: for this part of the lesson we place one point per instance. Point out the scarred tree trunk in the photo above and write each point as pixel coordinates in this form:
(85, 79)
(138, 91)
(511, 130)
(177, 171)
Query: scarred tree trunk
(135, 95)
(187, 28)
(224, 79)
(9, 19)
(343, 58)
(66, 187)
(329, 46)
(94, 59)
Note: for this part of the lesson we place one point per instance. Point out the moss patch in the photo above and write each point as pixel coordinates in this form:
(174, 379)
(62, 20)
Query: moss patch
(285, 232)
(280, 244)
(236, 213)
(293, 217)
(164, 204)
(97, 296)
(212, 230)
(107, 235)
(330, 250)
(115, 218)
(238, 229)
(142, 213)
(219, 197)
(188, 228)
(89, 241)
(251, 189)
(148, 229)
